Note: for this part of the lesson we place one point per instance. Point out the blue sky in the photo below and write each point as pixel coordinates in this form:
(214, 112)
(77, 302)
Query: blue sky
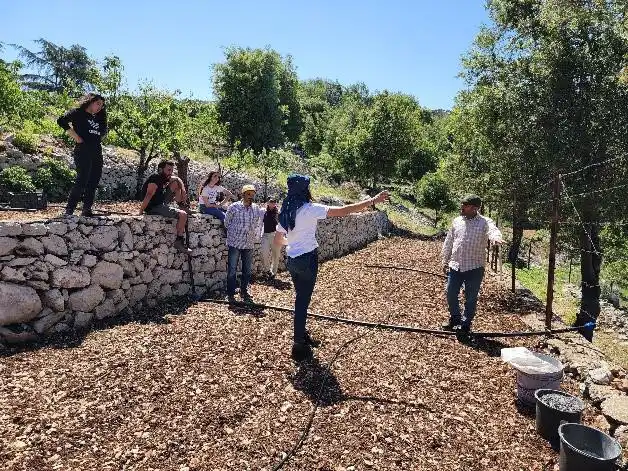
(406, 46)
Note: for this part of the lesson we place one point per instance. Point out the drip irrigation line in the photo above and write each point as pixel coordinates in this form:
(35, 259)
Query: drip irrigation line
(400, 328)
(601, 190)
(394, 267)
(591, 166)
(577, 214)
(310, 421)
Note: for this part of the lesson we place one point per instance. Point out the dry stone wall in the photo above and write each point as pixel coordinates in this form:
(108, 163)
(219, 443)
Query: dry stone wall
(59, 275)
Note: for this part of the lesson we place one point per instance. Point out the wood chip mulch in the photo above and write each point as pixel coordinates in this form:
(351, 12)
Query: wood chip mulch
(212, 387)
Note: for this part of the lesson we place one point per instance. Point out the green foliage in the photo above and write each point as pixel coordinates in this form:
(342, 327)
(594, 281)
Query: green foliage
(434, 193)
(25, 139)
(11, 95)
(16, 179)
(59, 69)
(56, 178)
(256, 98)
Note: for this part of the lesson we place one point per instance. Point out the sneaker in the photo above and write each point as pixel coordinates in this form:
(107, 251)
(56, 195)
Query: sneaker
(231, 299)
(310, 341)
(463, 333)
(179, 244)
(88, 213)
(301, 352)
(247, 298)
(449, 326)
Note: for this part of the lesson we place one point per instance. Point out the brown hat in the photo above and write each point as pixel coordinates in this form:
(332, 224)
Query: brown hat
(473, 200)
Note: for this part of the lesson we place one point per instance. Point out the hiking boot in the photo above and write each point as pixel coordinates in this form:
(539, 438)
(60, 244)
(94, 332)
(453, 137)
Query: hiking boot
(463, 333)
(179, 244)
(88, 213)
(301, 352)
(231, 299)
(450, 326)
(310, 341)
(247, 298)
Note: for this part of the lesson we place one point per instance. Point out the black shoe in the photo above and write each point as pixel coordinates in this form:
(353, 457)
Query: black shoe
(88, 213)
(310, 341)
(450, 326)
(463, 333)
(231, 299)
(247, 298)
(301, 352)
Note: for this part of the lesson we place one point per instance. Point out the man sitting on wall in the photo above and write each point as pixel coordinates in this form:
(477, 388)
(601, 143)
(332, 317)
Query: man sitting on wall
(159, 190)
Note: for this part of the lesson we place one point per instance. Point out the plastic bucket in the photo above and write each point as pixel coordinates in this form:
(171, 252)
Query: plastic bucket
(548, 418)
(528, 384)
(584, 448)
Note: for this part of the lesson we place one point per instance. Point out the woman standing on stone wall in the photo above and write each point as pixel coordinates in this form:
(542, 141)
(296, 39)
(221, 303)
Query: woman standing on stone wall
(297, 229)
(87, 125)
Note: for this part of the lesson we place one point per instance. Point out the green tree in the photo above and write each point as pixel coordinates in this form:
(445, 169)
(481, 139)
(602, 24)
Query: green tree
(58, 68)
(149, 123)
(434, 193)
(546, 96)
(317, 100)
(11, 95)
(256, 92)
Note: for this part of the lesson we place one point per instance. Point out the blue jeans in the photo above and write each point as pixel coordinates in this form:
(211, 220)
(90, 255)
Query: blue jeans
(216, 212)
(303, 270)
(472, 279)
(232, 265)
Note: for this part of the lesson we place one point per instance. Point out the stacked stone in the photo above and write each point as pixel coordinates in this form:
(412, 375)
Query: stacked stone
(61, 275)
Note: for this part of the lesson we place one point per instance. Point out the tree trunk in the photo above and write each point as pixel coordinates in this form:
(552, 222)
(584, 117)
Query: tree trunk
(141, 170)
(517, 235)
(182, 168)
(590, 264)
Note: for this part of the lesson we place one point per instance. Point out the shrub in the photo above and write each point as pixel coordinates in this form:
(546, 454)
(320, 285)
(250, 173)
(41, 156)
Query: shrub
(15, 179)
(26, 141)
(434, 193)
(56, 178)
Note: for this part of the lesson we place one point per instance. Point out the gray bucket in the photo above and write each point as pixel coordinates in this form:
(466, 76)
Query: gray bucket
(584, 448)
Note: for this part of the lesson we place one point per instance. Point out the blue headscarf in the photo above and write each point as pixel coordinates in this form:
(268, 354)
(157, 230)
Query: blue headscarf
(298, 195)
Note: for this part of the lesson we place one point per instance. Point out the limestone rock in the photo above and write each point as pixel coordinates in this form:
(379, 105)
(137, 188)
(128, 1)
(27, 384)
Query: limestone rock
(86, 299)
(601, 423)
(21, 261)
(78, 241)
(138, 293)
(616, 409)
(34, 229)
(54, 300)
(601, 375)
(11, 274)
(10, 228)
(83, 320)
(171, 276)
(108, 275)
(106, 309)
(20, 303)
(89, 260)
(45, 323)
(7, 244)
(71, 277)
(31, 246)
(104, 238)
(598, 393)
(54, 260)
(58, 228)
(55, 245)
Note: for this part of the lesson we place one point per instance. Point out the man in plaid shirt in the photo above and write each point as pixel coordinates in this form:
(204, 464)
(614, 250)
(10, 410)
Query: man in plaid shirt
(242, 221)
(464, 256)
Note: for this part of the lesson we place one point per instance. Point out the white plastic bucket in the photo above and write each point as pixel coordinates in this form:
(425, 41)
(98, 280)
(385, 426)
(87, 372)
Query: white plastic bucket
(528, 383)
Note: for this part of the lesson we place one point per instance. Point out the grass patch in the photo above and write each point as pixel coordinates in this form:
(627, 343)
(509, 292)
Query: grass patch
(535, 279)
(405, 222)
(615, 351)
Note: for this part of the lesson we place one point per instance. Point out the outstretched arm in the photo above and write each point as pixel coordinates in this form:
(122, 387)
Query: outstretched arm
(354, 208)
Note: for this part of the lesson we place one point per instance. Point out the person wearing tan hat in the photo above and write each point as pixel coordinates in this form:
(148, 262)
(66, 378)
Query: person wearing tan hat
(242, 221)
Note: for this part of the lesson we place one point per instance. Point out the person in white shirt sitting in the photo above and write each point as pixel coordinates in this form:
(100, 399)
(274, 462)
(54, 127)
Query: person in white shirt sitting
(464, 257)
(297, 229)
(208, 196)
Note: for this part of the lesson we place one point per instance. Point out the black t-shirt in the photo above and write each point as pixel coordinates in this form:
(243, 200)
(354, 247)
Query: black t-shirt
(160, 195)
(91, 128)
(271, 218)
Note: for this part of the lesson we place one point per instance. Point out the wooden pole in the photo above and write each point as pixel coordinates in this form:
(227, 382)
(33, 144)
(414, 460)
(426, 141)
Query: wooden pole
(552, 252)
(570, 263)
(529, 254)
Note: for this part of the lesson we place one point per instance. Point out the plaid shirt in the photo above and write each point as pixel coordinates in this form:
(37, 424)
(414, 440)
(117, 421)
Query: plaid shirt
(465, 246)
(243, 225)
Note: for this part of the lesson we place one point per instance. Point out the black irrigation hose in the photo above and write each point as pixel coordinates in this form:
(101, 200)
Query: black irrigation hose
(393, 267)
(403, 328)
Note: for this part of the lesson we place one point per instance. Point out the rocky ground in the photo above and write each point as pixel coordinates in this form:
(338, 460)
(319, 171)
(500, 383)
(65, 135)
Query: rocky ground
(212, 387)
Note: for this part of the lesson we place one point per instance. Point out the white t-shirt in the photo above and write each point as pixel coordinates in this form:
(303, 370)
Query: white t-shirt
(302, 239)
(211, 192)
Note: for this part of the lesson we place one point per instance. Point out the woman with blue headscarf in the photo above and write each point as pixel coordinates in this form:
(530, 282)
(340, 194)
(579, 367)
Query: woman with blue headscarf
(297, 229)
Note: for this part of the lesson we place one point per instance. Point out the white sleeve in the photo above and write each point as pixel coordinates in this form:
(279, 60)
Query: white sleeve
(319, 211)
